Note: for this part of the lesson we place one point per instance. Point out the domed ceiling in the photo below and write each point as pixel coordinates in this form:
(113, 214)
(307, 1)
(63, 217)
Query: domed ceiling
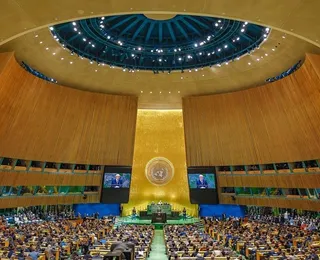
(137, 42)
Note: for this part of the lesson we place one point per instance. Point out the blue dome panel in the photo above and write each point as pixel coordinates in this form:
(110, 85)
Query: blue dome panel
(137, 42)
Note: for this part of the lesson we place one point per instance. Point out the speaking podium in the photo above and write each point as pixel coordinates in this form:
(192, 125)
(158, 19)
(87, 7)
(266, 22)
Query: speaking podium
(159, 217)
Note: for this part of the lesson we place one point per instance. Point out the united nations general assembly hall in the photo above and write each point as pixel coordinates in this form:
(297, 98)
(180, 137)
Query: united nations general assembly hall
(159, 130)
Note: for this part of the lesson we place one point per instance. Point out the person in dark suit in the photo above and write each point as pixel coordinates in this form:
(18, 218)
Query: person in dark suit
(202, 183)
(116, 182)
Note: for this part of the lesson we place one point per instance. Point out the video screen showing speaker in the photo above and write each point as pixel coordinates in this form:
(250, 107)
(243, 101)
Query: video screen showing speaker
(203, 185)
(116, 184)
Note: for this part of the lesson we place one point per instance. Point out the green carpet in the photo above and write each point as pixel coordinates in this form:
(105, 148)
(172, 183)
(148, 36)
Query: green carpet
(158, 248)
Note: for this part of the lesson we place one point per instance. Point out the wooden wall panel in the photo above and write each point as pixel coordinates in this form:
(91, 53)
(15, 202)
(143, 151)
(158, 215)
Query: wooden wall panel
(47, 122)
(273, 123)
(303, 204)
(13, 202)
(48, 179)
(295, 180)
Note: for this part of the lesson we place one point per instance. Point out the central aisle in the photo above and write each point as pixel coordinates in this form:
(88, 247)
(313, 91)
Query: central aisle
(158, 248)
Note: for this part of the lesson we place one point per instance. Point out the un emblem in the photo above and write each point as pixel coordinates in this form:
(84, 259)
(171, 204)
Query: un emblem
(159, 171)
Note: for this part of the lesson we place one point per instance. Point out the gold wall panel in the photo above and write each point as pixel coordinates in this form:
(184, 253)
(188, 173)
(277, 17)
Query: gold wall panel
(159, 133)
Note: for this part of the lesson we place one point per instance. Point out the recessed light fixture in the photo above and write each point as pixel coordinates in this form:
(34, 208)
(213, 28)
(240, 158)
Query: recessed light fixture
(41, 42)
(141, 91)
(47, 48)
(178, 91)
(249, 63)
(54, 53)
(150, 92)
(71, 62)
(36, 36)
(169, 92)
(62, 58)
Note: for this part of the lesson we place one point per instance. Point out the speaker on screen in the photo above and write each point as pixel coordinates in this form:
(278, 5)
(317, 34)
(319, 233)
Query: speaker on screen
(115, 186)
(202, 185)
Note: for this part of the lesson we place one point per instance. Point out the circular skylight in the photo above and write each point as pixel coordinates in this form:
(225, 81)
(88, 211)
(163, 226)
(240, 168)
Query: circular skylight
(136, 42)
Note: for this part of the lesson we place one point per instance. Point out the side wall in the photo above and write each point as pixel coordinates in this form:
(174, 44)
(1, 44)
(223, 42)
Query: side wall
(47, 122)
(279, 122)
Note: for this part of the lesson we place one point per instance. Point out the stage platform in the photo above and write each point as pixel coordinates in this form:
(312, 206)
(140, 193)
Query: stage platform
(138, 221)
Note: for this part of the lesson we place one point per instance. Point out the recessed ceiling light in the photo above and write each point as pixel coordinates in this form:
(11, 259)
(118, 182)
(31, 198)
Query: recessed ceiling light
(258, 59)
(40, 42)
(160, 92)
(266, 54)
(283, 37)
(178, 91)
(71, 62)
(62, 58)
(51, 28)
(150, 92)
(36, 36)
(54, 53)
(202, 75)
(141, 91)
(96, 70)
(181, 77)
(47, 48)
(169, 92)
(242, 30)
(249, 63)
(273, 49)
(74, 23)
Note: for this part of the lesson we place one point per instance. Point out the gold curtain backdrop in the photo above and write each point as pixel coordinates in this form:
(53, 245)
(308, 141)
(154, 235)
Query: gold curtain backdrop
(159, 133)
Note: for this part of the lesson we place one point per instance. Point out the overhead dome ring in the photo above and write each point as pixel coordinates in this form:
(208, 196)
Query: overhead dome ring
(136, 42)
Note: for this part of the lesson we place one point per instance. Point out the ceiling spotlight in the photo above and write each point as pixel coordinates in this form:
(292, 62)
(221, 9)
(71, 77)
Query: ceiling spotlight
(258, 59)
(47, 48)
(249, 63)
(265, 36)
(238, 58)
(209, 54)
(180, 58)
(71, 62)
(219, 21)
(283, 37)
(227, 63)
(178, 49)
(123, 69)
(160, 60)
(246, 23)
(267, 29)
(141, 91)
(195, 45)
(84, 39)
(238, 38)
(216, 24)
(219, 65)
(62, 58)
(51, 28)
(108, 37)
(273, 49)
(242, 30)
(102, 18)
(175, 50)
(74, 23)
(226, 46)
(169, 92)
(101, 25)
(54, 53)
(200, 53)
(266, 54)
(189, 70)
(202, 75)
(181, 77)
(139, 48)
(196, 69)
(91, 62)
(75, 29)
(96, 70)
(36, 36)
(93, 45)
(219, 50)
(40, 42)
(179, 91)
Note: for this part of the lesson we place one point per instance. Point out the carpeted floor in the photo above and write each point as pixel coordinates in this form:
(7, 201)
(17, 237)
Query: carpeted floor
(158, 249)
